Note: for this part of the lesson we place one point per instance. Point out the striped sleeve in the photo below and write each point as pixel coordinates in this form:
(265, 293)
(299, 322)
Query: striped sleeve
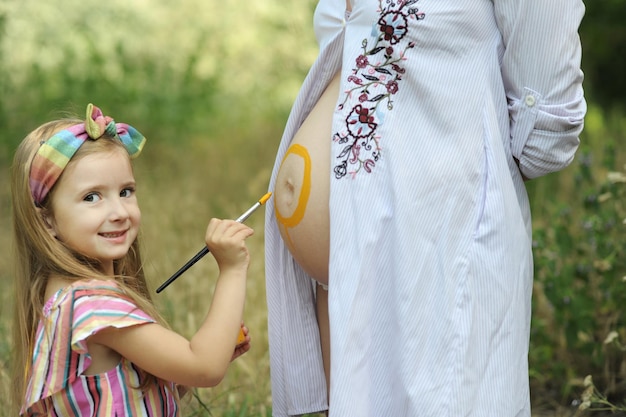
(543, 81)
(60, 355)
(95, 309)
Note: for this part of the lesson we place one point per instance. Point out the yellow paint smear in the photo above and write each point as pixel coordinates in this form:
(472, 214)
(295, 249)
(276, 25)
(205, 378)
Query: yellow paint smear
(305, 191)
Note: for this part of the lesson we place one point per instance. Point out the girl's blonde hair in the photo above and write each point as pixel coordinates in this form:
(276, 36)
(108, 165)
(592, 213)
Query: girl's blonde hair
(38, 254)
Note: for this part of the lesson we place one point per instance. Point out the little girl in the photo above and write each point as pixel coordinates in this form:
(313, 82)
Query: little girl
(88, 340)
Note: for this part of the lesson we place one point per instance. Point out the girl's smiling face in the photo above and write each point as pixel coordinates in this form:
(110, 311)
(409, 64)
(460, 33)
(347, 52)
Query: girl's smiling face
(94, 207)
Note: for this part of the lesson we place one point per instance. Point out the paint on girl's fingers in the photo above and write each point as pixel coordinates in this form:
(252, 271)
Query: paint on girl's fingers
(241, 338)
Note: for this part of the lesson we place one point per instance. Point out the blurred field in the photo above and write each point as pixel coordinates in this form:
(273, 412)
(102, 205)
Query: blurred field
(177, 203)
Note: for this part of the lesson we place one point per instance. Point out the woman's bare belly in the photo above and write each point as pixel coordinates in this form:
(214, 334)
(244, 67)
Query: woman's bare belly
(302, 188)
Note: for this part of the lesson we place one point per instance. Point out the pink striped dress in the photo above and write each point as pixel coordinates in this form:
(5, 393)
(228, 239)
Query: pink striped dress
(57, 384)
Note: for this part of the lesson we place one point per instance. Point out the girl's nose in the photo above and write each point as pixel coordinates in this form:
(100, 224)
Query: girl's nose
(119, 211)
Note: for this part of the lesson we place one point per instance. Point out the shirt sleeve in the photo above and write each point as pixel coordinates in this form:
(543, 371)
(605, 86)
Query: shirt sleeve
(81, 310)
(543, 81)
(98, 308)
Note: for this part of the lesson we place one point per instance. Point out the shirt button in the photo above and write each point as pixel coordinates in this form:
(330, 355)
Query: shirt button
(530, 100)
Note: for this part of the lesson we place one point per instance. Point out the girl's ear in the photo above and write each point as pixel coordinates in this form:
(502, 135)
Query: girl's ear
(48, 221)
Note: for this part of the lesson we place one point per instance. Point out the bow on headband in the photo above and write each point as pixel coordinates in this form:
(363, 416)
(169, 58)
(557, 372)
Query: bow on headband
(55, 153)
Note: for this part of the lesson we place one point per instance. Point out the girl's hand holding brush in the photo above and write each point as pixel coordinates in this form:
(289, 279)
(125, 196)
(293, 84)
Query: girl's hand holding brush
(225, 239)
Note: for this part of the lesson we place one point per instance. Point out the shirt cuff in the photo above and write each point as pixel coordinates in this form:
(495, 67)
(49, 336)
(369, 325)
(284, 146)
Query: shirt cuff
(544, 138)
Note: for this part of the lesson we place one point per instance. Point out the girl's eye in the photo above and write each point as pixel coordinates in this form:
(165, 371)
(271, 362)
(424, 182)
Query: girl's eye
(127, 192)
(92, 197)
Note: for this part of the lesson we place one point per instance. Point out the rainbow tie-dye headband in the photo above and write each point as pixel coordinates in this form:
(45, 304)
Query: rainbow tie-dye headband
(55, 153)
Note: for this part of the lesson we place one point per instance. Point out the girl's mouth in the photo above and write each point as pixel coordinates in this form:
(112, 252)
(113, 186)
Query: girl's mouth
(112, 235)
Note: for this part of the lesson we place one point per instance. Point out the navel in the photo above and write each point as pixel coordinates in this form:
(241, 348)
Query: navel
(287, 198)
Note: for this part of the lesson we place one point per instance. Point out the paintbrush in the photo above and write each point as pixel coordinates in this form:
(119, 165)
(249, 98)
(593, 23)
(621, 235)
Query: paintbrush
(205, 250)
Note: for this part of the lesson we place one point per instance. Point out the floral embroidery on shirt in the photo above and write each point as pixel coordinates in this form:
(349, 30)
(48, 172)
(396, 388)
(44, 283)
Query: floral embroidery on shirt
(374, 80)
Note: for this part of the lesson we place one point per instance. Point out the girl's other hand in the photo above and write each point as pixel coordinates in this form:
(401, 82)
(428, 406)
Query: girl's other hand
(243, 346)
(226, 241)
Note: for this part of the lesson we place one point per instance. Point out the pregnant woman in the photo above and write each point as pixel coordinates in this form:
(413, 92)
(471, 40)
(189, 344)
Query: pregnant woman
(398, 244)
